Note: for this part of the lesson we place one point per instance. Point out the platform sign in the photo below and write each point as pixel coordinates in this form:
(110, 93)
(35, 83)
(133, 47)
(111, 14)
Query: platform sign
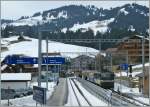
(53, 60)
(124, 66)
(34, 60)
(39, 94)
(21, 60)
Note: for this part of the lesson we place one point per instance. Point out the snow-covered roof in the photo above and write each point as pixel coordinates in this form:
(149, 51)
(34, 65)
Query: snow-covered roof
(16, 76)
(140, 65)
(141, 37)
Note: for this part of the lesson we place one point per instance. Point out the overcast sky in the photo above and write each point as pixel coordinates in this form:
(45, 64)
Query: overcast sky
(16, 9)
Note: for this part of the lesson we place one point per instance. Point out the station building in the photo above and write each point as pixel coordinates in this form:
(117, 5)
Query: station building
(15, 80)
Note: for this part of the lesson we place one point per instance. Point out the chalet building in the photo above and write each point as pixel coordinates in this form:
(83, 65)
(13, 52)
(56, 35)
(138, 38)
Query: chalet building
(133, 46)
(144, 89)
(4, 48)
(111, 50)
(82, 62)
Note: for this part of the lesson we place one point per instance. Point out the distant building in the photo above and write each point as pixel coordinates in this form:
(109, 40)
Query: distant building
(134, 48)
(110, 50)
(144, 89)
(52, 54)
(15, 80)
(83, 62)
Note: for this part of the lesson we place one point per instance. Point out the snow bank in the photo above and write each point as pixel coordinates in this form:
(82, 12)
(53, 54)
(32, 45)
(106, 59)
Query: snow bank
(125, 73)
(125, 89)
(140, 66)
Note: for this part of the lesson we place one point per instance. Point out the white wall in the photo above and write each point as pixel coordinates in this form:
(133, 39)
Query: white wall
(14, 85)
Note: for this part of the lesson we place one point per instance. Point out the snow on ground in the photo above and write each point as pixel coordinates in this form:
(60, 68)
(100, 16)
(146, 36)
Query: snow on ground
(95, 25)
(137, 69)
(35, 20)
(133, 91)
(139, 66)
(91, 98)
(30, 48)
(142, 99)
(124, 11)
(125, 89)
(28, 100)
(123, 73)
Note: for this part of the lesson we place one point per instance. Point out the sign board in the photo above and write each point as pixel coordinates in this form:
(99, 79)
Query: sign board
(20, 60)
(7, 94)
(34, 60)
(53, 60)
(39, 94)
(124, 66)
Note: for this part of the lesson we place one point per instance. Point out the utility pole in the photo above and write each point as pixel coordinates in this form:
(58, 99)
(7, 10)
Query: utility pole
(149, 51)
(0, 59)
(40, 58)
(111, 62)
(127, 61)
(100, 56)
(143, 60)
(47, 63)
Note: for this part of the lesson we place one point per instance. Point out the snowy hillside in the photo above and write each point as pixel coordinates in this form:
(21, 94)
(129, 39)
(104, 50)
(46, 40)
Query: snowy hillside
(76, 17)
(30, 48)
(101, 26)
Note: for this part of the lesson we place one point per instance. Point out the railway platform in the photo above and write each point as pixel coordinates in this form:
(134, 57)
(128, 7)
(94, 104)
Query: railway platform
(59, 96)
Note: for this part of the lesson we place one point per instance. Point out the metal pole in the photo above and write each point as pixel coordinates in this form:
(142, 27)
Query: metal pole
(143, 60)
(149, 52)
(127, 61)
(111, 62)
(40, 58)
(100, 55)
(47, 63)
(0, 58)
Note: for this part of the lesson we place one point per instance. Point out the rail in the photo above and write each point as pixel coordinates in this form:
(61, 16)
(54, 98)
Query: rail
(105, 95)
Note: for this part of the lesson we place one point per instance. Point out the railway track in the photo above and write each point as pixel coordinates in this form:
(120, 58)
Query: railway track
(109, 96)
(131, 100)
(76, 89)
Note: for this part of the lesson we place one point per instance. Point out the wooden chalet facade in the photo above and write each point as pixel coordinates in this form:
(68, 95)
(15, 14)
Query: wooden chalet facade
(133, 46)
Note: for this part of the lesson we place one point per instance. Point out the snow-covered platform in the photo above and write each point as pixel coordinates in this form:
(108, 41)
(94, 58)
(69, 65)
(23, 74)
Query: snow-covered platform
(59, 96)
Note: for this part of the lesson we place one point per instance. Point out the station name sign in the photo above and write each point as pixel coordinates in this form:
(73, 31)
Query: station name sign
(33, 60)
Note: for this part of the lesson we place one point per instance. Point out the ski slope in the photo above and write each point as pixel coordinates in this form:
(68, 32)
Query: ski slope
(101, 26)
(30, 48)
